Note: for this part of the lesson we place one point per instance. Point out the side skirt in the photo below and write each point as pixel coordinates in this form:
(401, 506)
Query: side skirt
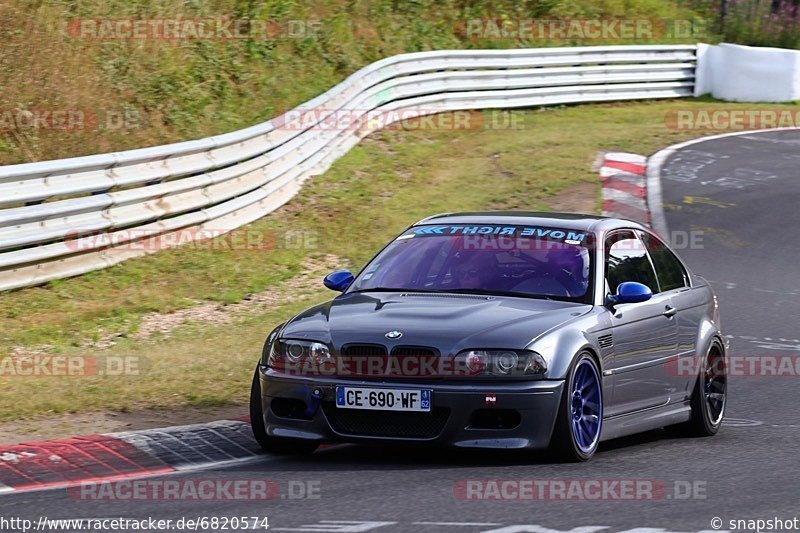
(645, 420)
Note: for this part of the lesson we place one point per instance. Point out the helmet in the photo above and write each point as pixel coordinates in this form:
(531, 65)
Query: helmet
(571, 259)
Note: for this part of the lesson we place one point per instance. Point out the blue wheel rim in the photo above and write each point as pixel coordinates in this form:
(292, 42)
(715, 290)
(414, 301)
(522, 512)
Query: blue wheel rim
(586, 406)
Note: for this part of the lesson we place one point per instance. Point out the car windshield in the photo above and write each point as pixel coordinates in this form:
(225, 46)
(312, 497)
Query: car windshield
(550, 263)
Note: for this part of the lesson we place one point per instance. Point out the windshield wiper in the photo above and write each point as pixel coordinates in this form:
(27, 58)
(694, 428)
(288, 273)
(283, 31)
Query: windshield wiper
(481, 292)
(485, 292)
(394, 289)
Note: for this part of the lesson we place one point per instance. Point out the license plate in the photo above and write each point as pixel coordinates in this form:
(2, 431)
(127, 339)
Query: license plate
(384, 399)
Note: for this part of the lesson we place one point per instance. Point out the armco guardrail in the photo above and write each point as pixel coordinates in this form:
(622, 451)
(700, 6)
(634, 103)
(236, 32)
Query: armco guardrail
(223, 182)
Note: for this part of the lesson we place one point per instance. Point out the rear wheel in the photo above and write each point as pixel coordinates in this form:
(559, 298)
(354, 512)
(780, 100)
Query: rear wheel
(580, 415)
(710, 394)
(268, 443)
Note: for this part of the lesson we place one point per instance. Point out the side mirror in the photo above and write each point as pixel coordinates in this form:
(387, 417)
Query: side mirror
(338, 280)
(630, 292)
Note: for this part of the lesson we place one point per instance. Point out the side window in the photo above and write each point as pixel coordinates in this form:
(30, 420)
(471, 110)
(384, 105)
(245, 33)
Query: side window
(670, 271)
(626, 260)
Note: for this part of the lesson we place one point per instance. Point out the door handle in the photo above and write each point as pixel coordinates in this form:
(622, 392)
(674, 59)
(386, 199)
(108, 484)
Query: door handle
(670, 311)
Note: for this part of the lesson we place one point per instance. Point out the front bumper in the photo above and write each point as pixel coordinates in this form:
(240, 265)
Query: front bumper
(536, 402)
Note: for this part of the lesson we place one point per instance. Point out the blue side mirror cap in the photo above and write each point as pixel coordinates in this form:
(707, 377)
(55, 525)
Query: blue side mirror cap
(338, 280)
(631, 292)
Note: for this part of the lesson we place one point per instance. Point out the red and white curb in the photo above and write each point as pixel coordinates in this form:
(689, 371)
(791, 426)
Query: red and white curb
(624, 181)
(114, 456)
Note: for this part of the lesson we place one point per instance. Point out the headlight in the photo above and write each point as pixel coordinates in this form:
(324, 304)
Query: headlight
(519, 363)
(292, 353)
(265, 352)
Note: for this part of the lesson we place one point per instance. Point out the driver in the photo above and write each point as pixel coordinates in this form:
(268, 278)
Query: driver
(570, 266)
(476, 270)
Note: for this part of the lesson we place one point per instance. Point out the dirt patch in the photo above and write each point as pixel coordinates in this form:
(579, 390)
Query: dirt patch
(70, 425)
(578, 198)
(161, 325)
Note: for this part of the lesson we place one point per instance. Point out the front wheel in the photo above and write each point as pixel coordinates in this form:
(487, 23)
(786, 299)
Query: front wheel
(268, 443)
(580, 415)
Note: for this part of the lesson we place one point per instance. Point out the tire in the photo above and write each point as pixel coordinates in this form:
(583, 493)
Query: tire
(270, 444)
(580, 414)
(710, 395)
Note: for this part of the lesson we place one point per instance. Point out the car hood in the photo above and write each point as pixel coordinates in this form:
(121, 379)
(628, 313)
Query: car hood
(447, 322)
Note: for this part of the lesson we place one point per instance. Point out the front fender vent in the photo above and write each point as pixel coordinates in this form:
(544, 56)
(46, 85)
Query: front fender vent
(605, 341)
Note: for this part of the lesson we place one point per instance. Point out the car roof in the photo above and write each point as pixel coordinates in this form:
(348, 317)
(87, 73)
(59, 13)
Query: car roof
(575, 221)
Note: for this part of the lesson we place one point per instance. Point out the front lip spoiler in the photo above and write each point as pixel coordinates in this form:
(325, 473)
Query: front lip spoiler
(536, 401)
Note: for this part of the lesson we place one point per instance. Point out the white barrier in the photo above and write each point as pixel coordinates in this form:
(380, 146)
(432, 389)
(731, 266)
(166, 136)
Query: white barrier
(747, 74)
(223, 182)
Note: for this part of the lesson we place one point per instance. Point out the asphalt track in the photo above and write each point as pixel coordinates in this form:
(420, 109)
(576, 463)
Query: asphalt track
(738, 196)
